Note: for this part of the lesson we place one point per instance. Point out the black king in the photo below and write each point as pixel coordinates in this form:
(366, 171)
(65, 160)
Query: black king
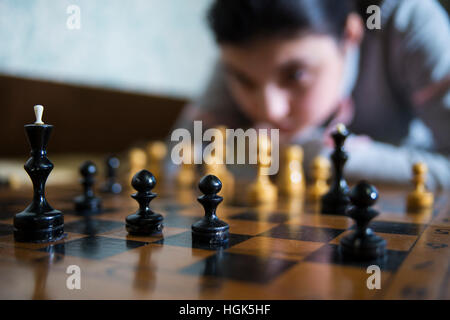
(337, 199)
(39, 222)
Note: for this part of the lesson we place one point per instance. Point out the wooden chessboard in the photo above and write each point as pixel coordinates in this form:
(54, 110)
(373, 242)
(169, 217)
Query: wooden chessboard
(285, 252)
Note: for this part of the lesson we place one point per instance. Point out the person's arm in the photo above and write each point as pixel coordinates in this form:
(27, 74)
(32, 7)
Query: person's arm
(419, 62)
(378, 162)
(384, 163)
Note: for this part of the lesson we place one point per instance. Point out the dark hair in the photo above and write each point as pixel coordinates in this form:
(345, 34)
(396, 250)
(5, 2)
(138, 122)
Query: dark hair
(240, 21)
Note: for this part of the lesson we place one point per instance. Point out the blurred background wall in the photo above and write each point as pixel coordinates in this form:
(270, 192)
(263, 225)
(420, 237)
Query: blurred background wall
(155, 46)
(122, 77)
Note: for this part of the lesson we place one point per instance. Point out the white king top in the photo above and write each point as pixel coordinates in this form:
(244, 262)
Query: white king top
(38, 110)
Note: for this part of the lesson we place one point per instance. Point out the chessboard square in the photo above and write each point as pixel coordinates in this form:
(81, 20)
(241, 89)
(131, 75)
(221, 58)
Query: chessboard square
(251, 228)
(275, 217)
(19, 255)
(159, 257)
(303, 233)
(92, 226)
(404, 217)
(276, 248)
(319, 281)
(94, 247)
(9, 241)
(178, 221)
(6, 229)
(441, 221)
(123, 234)
(330, 254)
(185, 240)
(240, 267)
(396, 227)
(322, 220)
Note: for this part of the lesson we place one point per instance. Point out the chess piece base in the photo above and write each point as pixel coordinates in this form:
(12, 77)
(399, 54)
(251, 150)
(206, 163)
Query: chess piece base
(213, 232)
(39, 228)
(315, 193)
(85, 205)
(418, 201)
(365, 248)
(293, 191)
(262, 193)
(141, 225)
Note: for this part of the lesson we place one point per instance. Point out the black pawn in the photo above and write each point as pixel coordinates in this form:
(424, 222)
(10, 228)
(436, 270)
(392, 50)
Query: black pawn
(39, 222)
(88, 203)
(111, 184)
(144, 221)
(336, 200)
(210, 229)
(363, 243)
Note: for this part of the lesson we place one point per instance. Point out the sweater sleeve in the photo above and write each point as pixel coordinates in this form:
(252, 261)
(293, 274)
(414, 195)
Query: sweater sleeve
(419, 62)
(419, 48)
(384, 163)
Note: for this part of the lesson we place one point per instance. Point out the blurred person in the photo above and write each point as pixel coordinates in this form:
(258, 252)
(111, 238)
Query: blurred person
(302, 66)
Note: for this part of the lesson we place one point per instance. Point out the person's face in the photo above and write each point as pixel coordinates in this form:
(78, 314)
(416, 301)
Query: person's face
(290, 84)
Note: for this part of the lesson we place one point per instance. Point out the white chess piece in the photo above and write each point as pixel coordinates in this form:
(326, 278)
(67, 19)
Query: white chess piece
(38, 110)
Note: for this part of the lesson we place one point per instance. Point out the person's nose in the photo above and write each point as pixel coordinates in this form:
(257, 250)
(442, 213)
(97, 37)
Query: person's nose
(274, 103)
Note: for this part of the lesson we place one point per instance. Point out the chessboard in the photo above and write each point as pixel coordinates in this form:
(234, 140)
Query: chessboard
(287, 251)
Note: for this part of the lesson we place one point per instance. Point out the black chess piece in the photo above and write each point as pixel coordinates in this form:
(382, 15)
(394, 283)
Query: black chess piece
(111, 184)
(88, 203)
(39, 222)
(363, 243)
(336, 200)
(144, 222)
(210, 229)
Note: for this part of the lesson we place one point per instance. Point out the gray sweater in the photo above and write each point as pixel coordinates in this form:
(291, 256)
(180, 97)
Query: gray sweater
(399, 82)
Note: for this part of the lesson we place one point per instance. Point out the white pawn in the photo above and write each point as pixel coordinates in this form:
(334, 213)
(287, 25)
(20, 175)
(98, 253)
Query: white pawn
(185, 177)
(156, 152)
(420, 198)
(215, 164)
(262, 191)
(320, 173)
(137, 160)
(291, 181)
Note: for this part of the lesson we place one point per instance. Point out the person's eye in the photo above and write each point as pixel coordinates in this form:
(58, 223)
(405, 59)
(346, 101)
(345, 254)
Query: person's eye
(297, 75)
(244, 81)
